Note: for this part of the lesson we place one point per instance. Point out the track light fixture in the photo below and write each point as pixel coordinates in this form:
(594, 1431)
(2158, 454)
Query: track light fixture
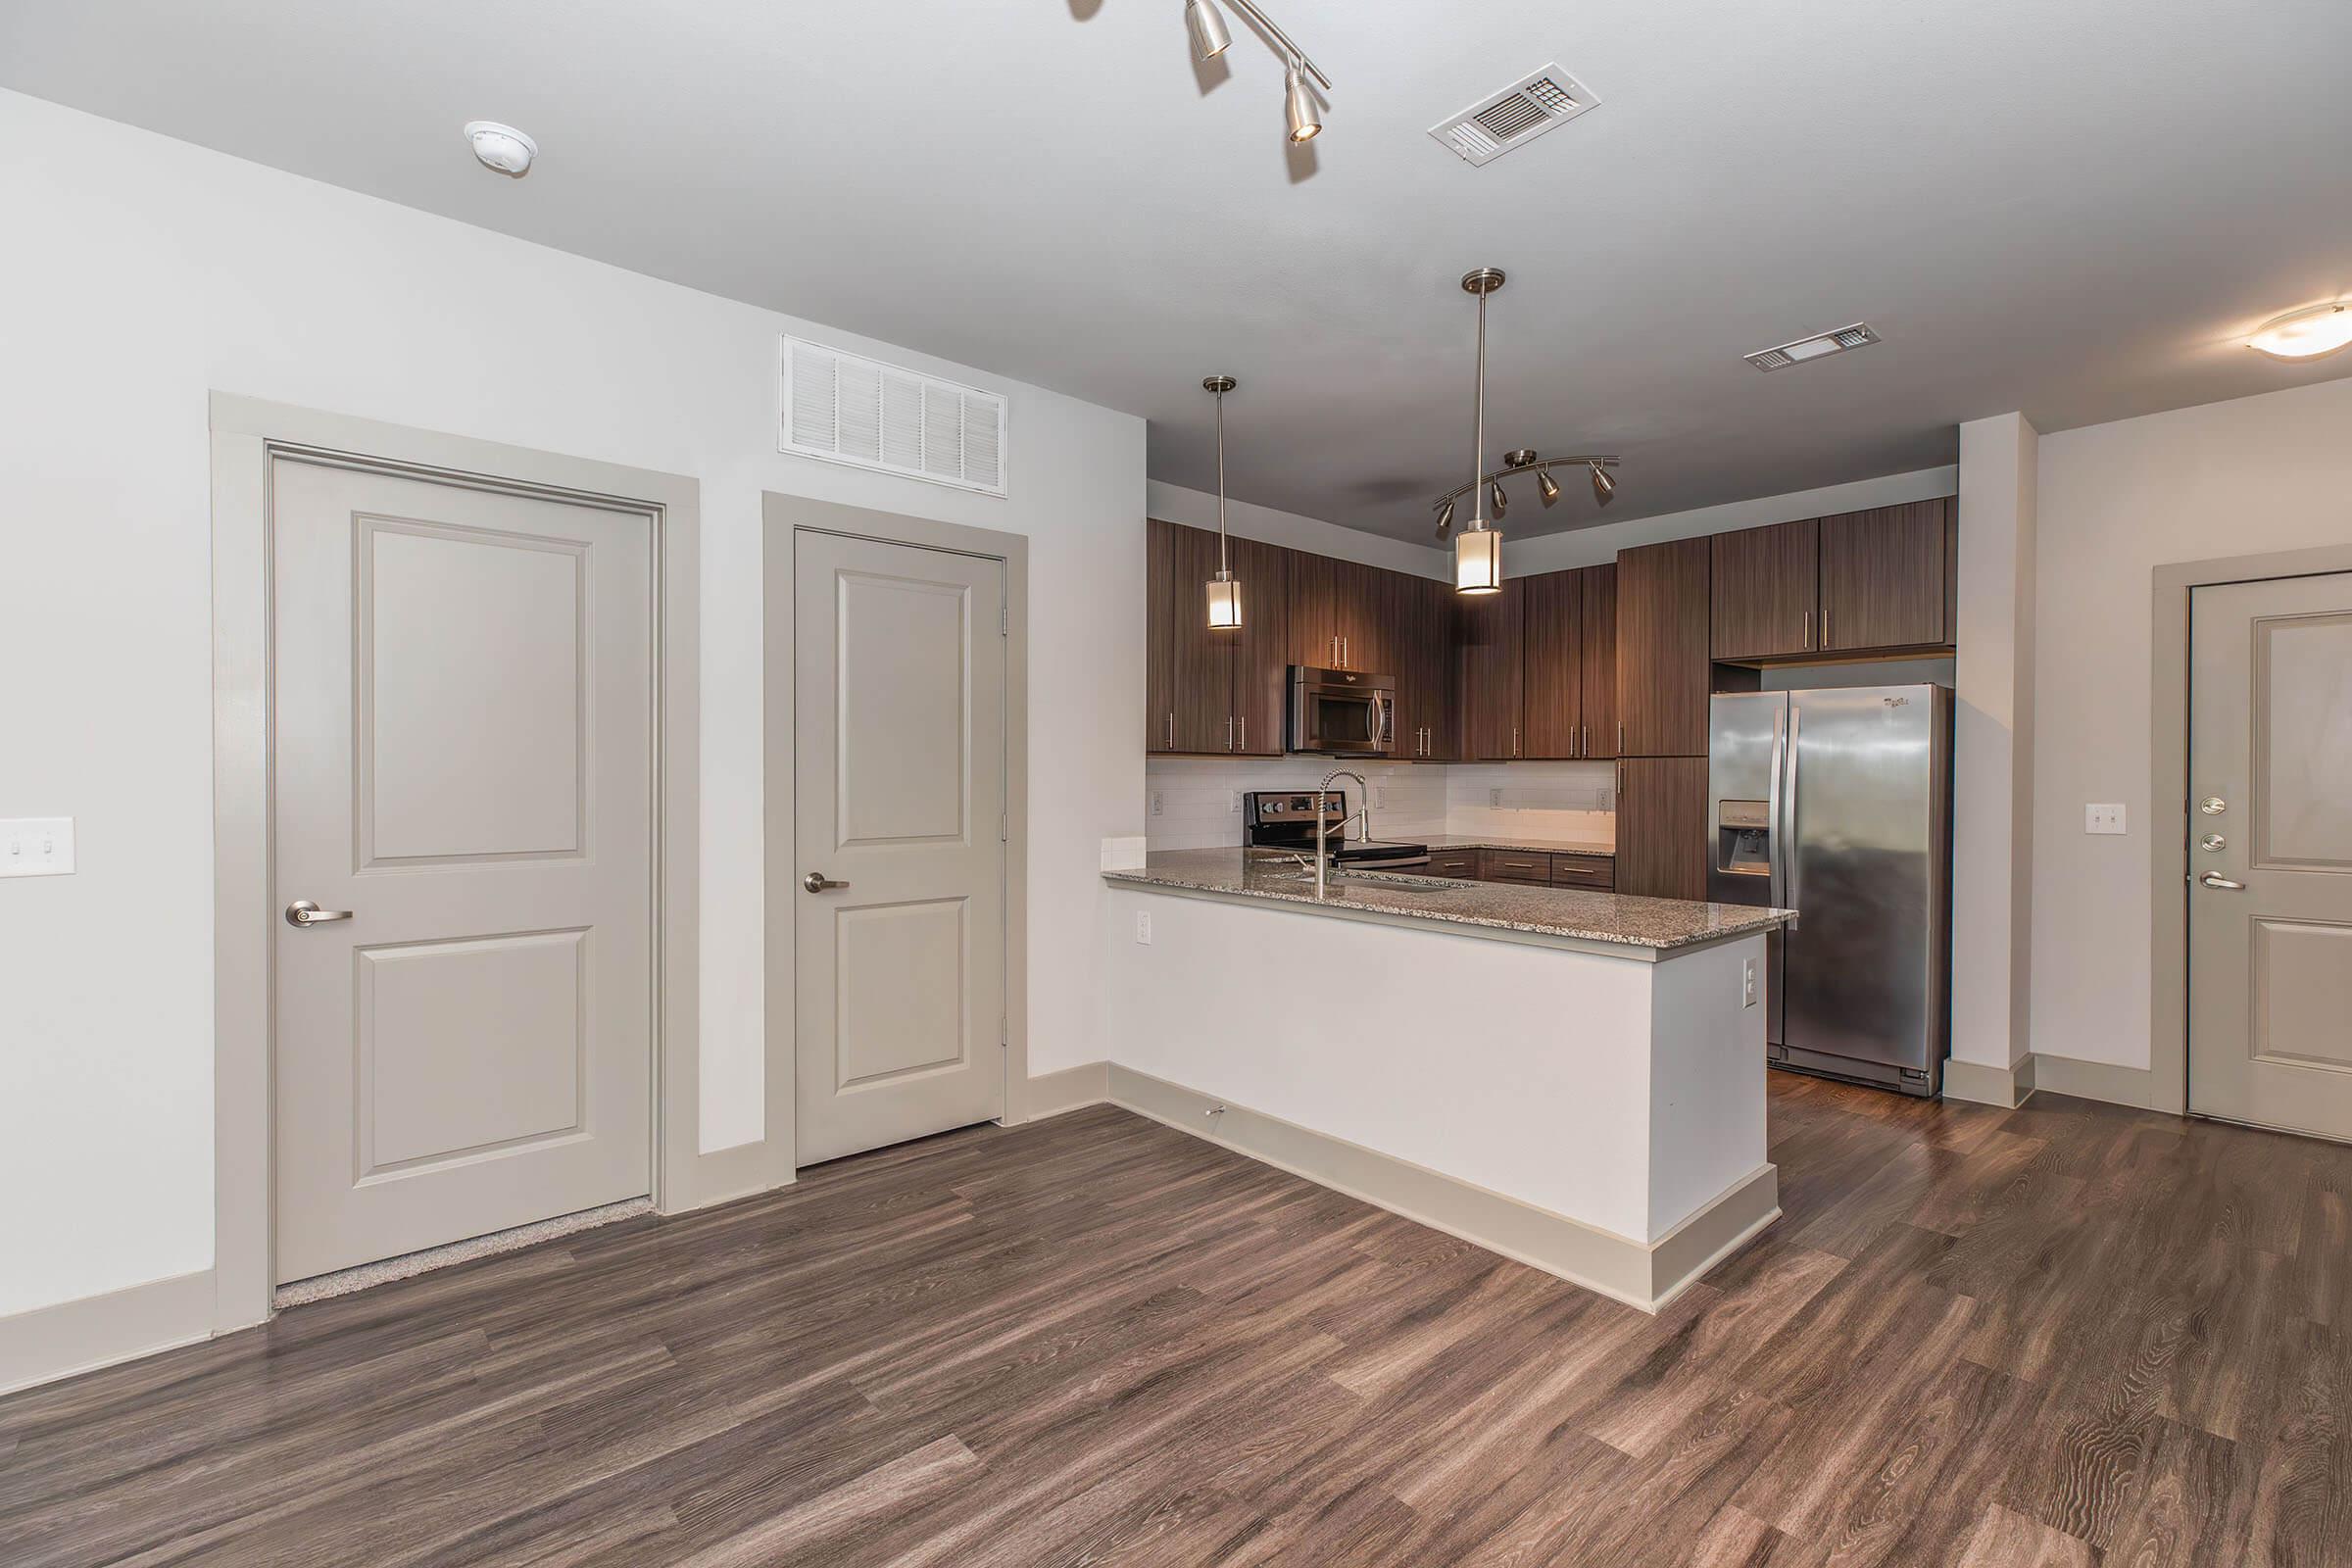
(1547, 489)
(1224, 592)
(1210, 38)
(1604, 487)
(1206, 25)
(1445, 519)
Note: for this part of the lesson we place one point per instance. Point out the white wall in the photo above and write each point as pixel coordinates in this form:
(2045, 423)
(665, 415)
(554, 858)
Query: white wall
(2252, 475)
(140, 274)
(1992, 745)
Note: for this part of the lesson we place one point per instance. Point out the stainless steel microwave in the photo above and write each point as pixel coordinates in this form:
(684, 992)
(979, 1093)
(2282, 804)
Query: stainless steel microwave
(1342, 712)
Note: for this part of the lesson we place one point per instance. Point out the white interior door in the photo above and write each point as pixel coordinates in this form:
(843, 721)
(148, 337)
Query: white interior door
(2270, 853)
(463, 762)
(898, 778)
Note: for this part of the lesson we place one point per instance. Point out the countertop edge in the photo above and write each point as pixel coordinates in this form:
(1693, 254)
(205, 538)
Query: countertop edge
(1629, 949)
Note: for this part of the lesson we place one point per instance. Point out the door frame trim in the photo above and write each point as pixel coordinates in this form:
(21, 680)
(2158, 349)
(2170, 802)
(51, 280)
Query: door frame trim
(2169, 790)
(782, 517)
(247, 435)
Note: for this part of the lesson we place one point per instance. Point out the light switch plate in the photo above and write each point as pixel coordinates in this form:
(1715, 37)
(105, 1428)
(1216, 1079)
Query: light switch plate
(1160, 803)
(2104, 819)
(1748, 984)
(36, 846)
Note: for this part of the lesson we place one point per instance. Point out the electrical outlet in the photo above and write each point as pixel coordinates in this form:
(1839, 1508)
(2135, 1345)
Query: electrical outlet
(1160, 803)
(1748, 984)
(1234, 803)
(1143, 926)
(2103, 818)
(36, 846)
(1380, 797)
(1494, 796)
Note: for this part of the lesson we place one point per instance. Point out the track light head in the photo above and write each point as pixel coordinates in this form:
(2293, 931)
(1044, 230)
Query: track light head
(1604, 487)
(1208, 27)
(1547, 489)
(1497, 499)
(1306, 121)
(1445, 519)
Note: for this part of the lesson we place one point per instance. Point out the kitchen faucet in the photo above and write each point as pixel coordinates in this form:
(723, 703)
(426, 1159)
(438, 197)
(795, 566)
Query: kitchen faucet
(1323, 818)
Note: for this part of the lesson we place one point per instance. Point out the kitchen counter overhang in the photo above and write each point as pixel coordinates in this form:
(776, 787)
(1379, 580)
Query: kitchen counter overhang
(1612, 924)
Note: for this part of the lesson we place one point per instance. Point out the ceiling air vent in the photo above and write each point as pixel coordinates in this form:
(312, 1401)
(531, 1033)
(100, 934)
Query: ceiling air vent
(1819, 346)
(844, 409)
(1515, 116)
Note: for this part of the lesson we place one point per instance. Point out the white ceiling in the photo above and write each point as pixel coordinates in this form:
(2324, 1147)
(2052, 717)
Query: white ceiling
(2075, 209)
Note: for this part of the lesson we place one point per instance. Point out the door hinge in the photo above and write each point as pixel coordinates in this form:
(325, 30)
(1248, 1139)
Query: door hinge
(1005, 621)
(1004, 827)
(1004, 1034)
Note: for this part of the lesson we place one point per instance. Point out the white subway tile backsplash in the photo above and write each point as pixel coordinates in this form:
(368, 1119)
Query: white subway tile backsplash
(1194, 802)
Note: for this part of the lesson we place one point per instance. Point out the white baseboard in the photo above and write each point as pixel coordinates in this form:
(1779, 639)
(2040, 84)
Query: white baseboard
(1643, 1276)
(1983, 1084)
(1051, 1094)
(2094, 1080)
(50, 1342)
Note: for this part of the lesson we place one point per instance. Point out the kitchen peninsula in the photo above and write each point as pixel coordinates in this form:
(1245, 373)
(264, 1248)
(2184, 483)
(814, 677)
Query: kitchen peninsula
(1572, 1078)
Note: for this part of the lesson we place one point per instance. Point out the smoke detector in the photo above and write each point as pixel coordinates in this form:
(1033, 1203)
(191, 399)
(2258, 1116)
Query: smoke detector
(1515, 116)
(502, 149)
(1820, 346)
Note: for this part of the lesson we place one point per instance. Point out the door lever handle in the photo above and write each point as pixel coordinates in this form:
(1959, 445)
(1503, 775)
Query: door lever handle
(2223, 882)
(303, 913)
(819, 882)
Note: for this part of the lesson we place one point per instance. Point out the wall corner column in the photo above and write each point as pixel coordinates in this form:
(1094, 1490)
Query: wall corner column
(1992, 783)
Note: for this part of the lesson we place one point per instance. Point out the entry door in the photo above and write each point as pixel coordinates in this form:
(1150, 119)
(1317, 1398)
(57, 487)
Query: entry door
(899, 779)
(2270, 853)
(464, 759)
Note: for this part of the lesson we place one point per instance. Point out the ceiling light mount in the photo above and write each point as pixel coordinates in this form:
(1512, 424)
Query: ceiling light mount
(502, 149)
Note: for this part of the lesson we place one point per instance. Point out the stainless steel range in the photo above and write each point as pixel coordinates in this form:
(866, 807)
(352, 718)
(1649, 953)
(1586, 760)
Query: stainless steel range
(1285, 819)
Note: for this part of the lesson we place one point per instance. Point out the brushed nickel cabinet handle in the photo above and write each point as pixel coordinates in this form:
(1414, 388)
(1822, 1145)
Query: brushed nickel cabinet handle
(1171, 746)
(1808, 641)
(1245, 732)
(1621, 739)
(301, 913)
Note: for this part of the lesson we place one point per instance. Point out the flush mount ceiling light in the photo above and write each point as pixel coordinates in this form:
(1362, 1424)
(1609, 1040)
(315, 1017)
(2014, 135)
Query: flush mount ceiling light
(1301, 110)
(2305, 334)
(1224, 593)
(1820, 346)
(1478, 547)
(502, 147)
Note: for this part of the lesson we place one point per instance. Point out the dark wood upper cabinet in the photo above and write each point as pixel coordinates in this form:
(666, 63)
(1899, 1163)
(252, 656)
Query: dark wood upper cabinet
(1597, 628)
(1492, 628)
(1661, 827)
(1422, 615)
(1883, 578)
(1261, 665)
(1552, 703)
(1662, 660)
(1765, 593)
(1336, 615)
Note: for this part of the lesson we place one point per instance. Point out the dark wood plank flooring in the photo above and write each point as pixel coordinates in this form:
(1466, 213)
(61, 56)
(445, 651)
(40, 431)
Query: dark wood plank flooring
(2066, 1333)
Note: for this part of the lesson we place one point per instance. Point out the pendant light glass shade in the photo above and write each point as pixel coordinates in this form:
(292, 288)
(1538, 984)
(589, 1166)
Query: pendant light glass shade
(1224, 601)
(1478, 560)
(1208, 27)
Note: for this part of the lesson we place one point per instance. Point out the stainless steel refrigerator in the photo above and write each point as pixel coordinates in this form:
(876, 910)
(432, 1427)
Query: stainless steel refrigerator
(1838, 804)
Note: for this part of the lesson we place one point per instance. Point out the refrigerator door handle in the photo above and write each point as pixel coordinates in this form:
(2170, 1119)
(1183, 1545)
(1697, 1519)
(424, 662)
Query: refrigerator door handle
(1776, 847)
(1784, 818)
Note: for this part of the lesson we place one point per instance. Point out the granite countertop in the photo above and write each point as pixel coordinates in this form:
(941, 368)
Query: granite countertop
(1656, 925)
(1490, 840)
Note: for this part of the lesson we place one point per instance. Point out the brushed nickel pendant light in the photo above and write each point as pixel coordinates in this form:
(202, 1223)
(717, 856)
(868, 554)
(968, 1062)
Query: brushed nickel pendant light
(1224, 591)
(1478, 544)
(1478, 548)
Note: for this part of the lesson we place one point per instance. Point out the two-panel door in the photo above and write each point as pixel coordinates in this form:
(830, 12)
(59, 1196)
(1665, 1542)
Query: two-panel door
(462, 812)
(899, 834)
(2270, 851)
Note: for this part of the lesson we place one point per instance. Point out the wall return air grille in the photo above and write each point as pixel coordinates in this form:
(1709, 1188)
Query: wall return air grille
(842, 408)
(1515, 116)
